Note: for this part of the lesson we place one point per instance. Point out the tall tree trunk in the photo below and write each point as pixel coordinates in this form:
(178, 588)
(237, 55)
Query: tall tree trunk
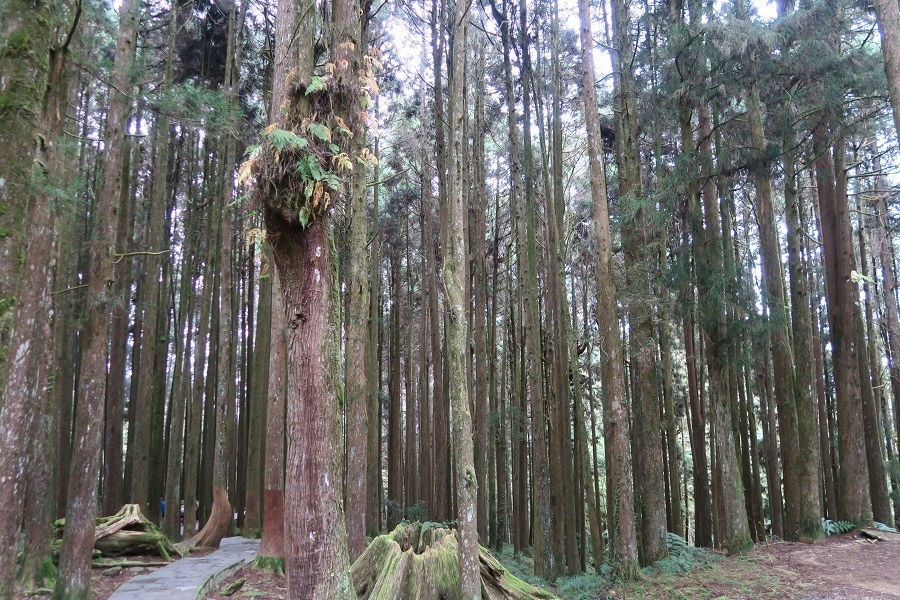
(348, 44)
(272, 543)
(394, 442)
(26, 31)
(638, 240)
(221, 516)
(74, 576)
(882, 243)
(623, 538)
(439, 405)
(454, 242)
(258, 398)
(779, 328)
(735, 534)
(24, 406)
(478, 211)
(881, 502)
(545, 560)
(855, 502)
(373, 359)
(316, 558)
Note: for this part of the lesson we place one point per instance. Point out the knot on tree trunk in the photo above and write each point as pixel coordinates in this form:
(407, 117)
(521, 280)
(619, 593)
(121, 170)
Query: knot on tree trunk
(421, 561)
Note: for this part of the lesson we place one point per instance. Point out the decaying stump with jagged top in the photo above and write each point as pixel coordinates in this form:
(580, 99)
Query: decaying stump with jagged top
(418, 562)
(126, 532)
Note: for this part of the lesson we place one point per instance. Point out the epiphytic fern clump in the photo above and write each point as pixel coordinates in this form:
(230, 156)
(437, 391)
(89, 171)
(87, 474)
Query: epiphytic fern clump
(299, 166)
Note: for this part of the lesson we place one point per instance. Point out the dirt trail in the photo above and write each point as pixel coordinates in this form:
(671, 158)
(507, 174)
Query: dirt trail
(848, 566)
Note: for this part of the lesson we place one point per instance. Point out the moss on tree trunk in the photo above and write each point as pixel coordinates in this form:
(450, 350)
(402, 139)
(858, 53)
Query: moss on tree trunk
(415, 561)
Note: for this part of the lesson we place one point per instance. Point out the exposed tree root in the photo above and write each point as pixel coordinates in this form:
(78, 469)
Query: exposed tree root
(126, 532)
(416, 562)
(216, 526)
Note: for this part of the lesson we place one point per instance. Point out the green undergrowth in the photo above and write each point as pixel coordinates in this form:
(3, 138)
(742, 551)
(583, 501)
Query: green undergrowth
(682, 557)
(590, 585)
(584, 586)
(744, 576)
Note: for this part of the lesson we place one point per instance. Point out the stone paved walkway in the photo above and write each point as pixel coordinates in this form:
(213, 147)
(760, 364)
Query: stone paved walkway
(192, 577)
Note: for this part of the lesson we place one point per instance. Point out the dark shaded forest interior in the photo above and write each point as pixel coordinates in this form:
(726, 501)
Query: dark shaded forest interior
(587, 284)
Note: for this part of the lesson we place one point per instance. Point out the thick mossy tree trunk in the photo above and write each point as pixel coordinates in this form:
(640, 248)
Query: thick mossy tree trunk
(415, 562)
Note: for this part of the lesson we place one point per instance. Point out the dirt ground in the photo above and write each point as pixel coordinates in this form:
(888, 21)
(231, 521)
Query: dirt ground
(257, 584)
(840, 567)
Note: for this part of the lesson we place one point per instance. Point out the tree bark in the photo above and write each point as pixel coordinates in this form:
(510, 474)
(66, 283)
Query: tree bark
(855, 502)
(735, 534)
(349, 44)
(73, 582)
(454, 242)
(623, 538)
(778, 324)
(24, 409)
(545, 559)
(26, 31)
(272, 543)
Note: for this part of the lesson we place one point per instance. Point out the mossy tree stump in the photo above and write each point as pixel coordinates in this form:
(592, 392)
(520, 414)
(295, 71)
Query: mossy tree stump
(126, 532)
(418, 562)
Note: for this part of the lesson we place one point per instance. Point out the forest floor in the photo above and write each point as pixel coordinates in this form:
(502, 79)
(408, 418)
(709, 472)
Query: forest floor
(841, 567)
(847, 566)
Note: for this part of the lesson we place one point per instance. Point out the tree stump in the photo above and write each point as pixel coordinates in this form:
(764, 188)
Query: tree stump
(126, 532)
(419, 562)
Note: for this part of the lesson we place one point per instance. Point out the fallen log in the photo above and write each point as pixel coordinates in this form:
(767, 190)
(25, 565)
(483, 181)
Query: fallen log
(126, 532)
(420, 562)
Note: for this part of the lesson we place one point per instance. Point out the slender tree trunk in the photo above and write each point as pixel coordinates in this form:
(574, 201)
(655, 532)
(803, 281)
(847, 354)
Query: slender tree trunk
(881, 502)
(779, 328)
(855, 502)
(373, 359)
(394, 443)
(73, 581)
(623, 538)
(272, 543)
(349, 44)
(735, 536)
(439, 405)
(888, 291)
(258, 399)
(545, 560)
(454, 242)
